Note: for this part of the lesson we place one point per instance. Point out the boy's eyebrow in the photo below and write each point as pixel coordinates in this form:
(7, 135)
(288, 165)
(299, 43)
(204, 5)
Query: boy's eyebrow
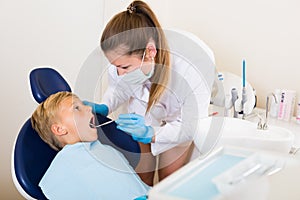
(75, 101)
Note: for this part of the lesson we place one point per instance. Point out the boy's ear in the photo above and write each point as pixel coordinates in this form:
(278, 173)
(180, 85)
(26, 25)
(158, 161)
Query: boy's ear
(58, 129)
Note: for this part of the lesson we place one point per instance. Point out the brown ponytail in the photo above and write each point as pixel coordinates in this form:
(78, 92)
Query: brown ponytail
(130, 31)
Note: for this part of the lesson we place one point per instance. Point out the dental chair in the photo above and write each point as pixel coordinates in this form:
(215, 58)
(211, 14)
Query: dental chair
(31, 156)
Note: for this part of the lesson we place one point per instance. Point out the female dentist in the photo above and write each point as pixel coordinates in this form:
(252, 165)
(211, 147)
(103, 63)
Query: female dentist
(165, 95)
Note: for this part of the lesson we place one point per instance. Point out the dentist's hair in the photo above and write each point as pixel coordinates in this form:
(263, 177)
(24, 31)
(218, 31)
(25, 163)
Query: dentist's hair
(129, 32)
(46, 114)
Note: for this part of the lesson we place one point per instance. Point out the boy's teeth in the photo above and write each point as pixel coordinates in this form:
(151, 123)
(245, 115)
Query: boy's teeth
(92, 125)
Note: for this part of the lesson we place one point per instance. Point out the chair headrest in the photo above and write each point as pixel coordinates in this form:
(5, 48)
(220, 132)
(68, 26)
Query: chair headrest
(32, 157)
(46, 81)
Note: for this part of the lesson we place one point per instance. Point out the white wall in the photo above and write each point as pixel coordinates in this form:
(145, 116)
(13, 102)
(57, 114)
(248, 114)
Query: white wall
(264, 32)
(62, 33)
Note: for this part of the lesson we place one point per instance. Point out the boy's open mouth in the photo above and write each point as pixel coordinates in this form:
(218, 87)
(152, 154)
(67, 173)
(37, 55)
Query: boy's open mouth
(92, 122)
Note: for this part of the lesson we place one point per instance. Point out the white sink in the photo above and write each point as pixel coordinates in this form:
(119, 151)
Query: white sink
(242, 133)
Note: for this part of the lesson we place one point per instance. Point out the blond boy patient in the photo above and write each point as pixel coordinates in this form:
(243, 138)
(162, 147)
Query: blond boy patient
(83, 168)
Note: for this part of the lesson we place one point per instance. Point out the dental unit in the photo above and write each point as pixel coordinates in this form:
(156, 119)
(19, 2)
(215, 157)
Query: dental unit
(244, 95)
(240, 105)
(232, 95)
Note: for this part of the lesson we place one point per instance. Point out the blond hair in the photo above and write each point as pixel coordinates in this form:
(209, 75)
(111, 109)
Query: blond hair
(45, 115)
(131, 30)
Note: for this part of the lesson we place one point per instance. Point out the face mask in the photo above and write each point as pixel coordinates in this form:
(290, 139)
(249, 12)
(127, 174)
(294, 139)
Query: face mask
(137, 76)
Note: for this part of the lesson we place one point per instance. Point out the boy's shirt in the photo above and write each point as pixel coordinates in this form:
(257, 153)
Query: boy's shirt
(91, 170)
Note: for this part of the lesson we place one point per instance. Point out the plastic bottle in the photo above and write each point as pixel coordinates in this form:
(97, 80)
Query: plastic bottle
(290, 99)
(274, 104)
(298, 113)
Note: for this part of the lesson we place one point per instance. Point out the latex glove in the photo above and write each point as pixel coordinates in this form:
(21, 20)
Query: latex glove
(134, 124)
(145, 197)
(101, 109)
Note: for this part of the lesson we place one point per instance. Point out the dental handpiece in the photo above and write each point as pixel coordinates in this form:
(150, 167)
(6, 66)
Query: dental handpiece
(103, 124)
(234, 97)
(244, 99)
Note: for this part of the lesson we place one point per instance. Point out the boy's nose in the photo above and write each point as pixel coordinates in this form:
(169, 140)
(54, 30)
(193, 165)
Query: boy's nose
(89, 108)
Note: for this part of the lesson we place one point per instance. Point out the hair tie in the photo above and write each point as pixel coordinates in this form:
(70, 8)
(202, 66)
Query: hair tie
(131, 8)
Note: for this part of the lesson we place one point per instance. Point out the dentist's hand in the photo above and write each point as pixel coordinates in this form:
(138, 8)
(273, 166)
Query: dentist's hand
(135, 125)
(101, 109)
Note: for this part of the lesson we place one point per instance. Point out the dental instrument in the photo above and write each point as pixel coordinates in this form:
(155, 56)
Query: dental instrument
(244, 73)
(240, 105)
(294, 150)
(213, 114)
(245, 174)
(222, 97)
(259, 169)
(234, 97)
(244, 92)
(103, 124)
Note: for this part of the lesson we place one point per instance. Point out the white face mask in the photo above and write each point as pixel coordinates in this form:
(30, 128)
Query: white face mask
(137, 76)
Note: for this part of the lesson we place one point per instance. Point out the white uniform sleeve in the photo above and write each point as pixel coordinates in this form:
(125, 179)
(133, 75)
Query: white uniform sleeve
(194, 93)
(116, 93)
(114, 97)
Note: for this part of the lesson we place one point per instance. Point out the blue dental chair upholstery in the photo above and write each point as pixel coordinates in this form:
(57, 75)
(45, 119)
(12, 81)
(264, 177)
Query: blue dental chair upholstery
(31, 157)
(46, 81)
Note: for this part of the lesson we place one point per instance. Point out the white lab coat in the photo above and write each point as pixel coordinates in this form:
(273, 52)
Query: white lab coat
(176, 115)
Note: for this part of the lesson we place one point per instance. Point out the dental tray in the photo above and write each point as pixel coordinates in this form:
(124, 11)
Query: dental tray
(251, 168)
(194, 181)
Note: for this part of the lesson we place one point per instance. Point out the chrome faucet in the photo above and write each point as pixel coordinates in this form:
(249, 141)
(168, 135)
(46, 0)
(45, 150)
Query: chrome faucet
(261, 125)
